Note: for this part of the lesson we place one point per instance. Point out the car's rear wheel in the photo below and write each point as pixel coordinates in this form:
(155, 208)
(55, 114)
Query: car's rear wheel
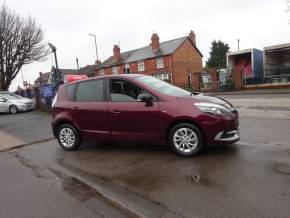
(13, 109)
(68, 137)
(185, 139)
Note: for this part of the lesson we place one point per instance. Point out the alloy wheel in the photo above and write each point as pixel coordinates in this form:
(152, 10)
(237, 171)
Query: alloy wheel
(185, 140)
(67, 137)
(13, 109)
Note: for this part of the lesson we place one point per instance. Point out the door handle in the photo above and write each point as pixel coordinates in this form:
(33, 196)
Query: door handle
(115, 112)
(76, 108)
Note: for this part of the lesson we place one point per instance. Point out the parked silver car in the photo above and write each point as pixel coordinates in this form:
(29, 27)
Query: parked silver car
(13, 103)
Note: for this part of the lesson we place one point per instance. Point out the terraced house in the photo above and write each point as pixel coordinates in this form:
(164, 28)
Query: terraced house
(174, 61)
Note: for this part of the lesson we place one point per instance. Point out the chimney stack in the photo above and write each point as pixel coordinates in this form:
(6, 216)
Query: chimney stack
(98, 62)
(155, 42)
(191, 36)
(117, 53)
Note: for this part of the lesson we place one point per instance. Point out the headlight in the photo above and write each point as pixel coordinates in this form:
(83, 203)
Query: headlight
(212, 108)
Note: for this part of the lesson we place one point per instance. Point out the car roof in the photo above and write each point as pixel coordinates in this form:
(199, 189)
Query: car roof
(108, 76)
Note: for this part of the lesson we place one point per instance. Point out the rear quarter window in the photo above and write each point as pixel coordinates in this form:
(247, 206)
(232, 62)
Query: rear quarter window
(90, 91)
(70, 89)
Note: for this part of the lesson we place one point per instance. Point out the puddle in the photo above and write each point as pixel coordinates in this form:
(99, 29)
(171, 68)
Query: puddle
(74, 187)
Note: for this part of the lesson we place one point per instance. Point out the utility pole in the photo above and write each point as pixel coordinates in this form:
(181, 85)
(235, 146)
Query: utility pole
(95, 45)
(238, 44)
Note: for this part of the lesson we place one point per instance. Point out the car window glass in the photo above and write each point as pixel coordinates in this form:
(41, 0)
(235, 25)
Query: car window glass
(122, 90)
(162, 87)
(70, 90)
(11, 96)
(90, 91)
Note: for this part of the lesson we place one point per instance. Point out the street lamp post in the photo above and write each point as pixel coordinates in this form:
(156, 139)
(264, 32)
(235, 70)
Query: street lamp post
(239, 44)
(53, 49)
(77, 60)
(95, 45)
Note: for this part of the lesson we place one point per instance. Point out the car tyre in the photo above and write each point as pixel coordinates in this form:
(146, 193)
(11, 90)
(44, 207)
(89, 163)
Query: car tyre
(68, 137)
(13, 109)
(185, 139)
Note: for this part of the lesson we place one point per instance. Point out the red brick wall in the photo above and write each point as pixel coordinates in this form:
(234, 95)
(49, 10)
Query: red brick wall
(185, 60)
(237, 79)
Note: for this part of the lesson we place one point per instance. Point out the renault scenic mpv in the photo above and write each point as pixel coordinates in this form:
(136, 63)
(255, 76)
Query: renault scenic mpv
(141, 109)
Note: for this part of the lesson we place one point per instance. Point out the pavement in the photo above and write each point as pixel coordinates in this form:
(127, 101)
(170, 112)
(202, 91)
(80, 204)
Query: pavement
(248, 179)
(24, 128)
(254, 92)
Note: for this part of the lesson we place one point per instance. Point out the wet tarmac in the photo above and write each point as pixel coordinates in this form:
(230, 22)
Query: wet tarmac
(247, 179)
(29, 189)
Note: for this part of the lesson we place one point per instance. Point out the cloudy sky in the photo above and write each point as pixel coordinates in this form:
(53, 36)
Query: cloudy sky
(130, 23)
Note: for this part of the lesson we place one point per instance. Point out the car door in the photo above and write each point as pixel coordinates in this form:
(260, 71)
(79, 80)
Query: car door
(131, 120)
(90, 109)
(4, 104)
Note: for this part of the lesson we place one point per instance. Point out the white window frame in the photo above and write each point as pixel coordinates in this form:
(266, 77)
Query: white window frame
(159, 63)
(162, 76)
(102, 72)
(115, 70)
(141, 66)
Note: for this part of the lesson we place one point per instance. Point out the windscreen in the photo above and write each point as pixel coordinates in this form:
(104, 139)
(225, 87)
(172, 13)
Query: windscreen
(162, 87)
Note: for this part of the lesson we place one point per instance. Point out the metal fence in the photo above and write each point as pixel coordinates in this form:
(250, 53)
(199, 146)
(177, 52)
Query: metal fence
(277, 69)
(270, 79)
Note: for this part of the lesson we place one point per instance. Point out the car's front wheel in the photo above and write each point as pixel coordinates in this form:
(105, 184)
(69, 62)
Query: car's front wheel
(185, 139)
(13, 109)
(68, 137)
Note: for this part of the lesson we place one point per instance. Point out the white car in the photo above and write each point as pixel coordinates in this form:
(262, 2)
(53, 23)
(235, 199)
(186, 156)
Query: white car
(13, 103)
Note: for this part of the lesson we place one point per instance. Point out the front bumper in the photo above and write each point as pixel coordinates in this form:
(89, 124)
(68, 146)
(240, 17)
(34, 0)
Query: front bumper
(230, 136)
(25, 107)
(220, 130)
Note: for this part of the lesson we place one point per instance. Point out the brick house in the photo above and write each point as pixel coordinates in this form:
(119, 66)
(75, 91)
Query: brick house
(174, 61)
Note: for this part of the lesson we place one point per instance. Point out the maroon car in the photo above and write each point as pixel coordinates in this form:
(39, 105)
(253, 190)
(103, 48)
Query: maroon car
(141, 109)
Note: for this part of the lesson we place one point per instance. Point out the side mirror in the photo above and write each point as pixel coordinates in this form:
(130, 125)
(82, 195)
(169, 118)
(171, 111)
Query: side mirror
(145, 98)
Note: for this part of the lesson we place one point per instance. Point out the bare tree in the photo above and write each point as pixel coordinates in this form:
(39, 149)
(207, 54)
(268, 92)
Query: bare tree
(21, 42)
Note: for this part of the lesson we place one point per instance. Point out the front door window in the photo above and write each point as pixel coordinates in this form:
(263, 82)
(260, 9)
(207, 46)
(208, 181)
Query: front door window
(123, 91)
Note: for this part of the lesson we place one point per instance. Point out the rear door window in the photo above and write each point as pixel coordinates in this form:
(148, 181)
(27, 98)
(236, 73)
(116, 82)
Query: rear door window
(90, 91)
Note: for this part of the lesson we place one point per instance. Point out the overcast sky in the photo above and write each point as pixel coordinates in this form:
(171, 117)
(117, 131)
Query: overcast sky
(67, 24)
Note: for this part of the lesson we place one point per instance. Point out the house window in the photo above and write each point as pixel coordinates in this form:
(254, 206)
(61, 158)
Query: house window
(115, 70)
(162, 76)
(102, 72)
(141, 66)
(159, 63)
(127, 68)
